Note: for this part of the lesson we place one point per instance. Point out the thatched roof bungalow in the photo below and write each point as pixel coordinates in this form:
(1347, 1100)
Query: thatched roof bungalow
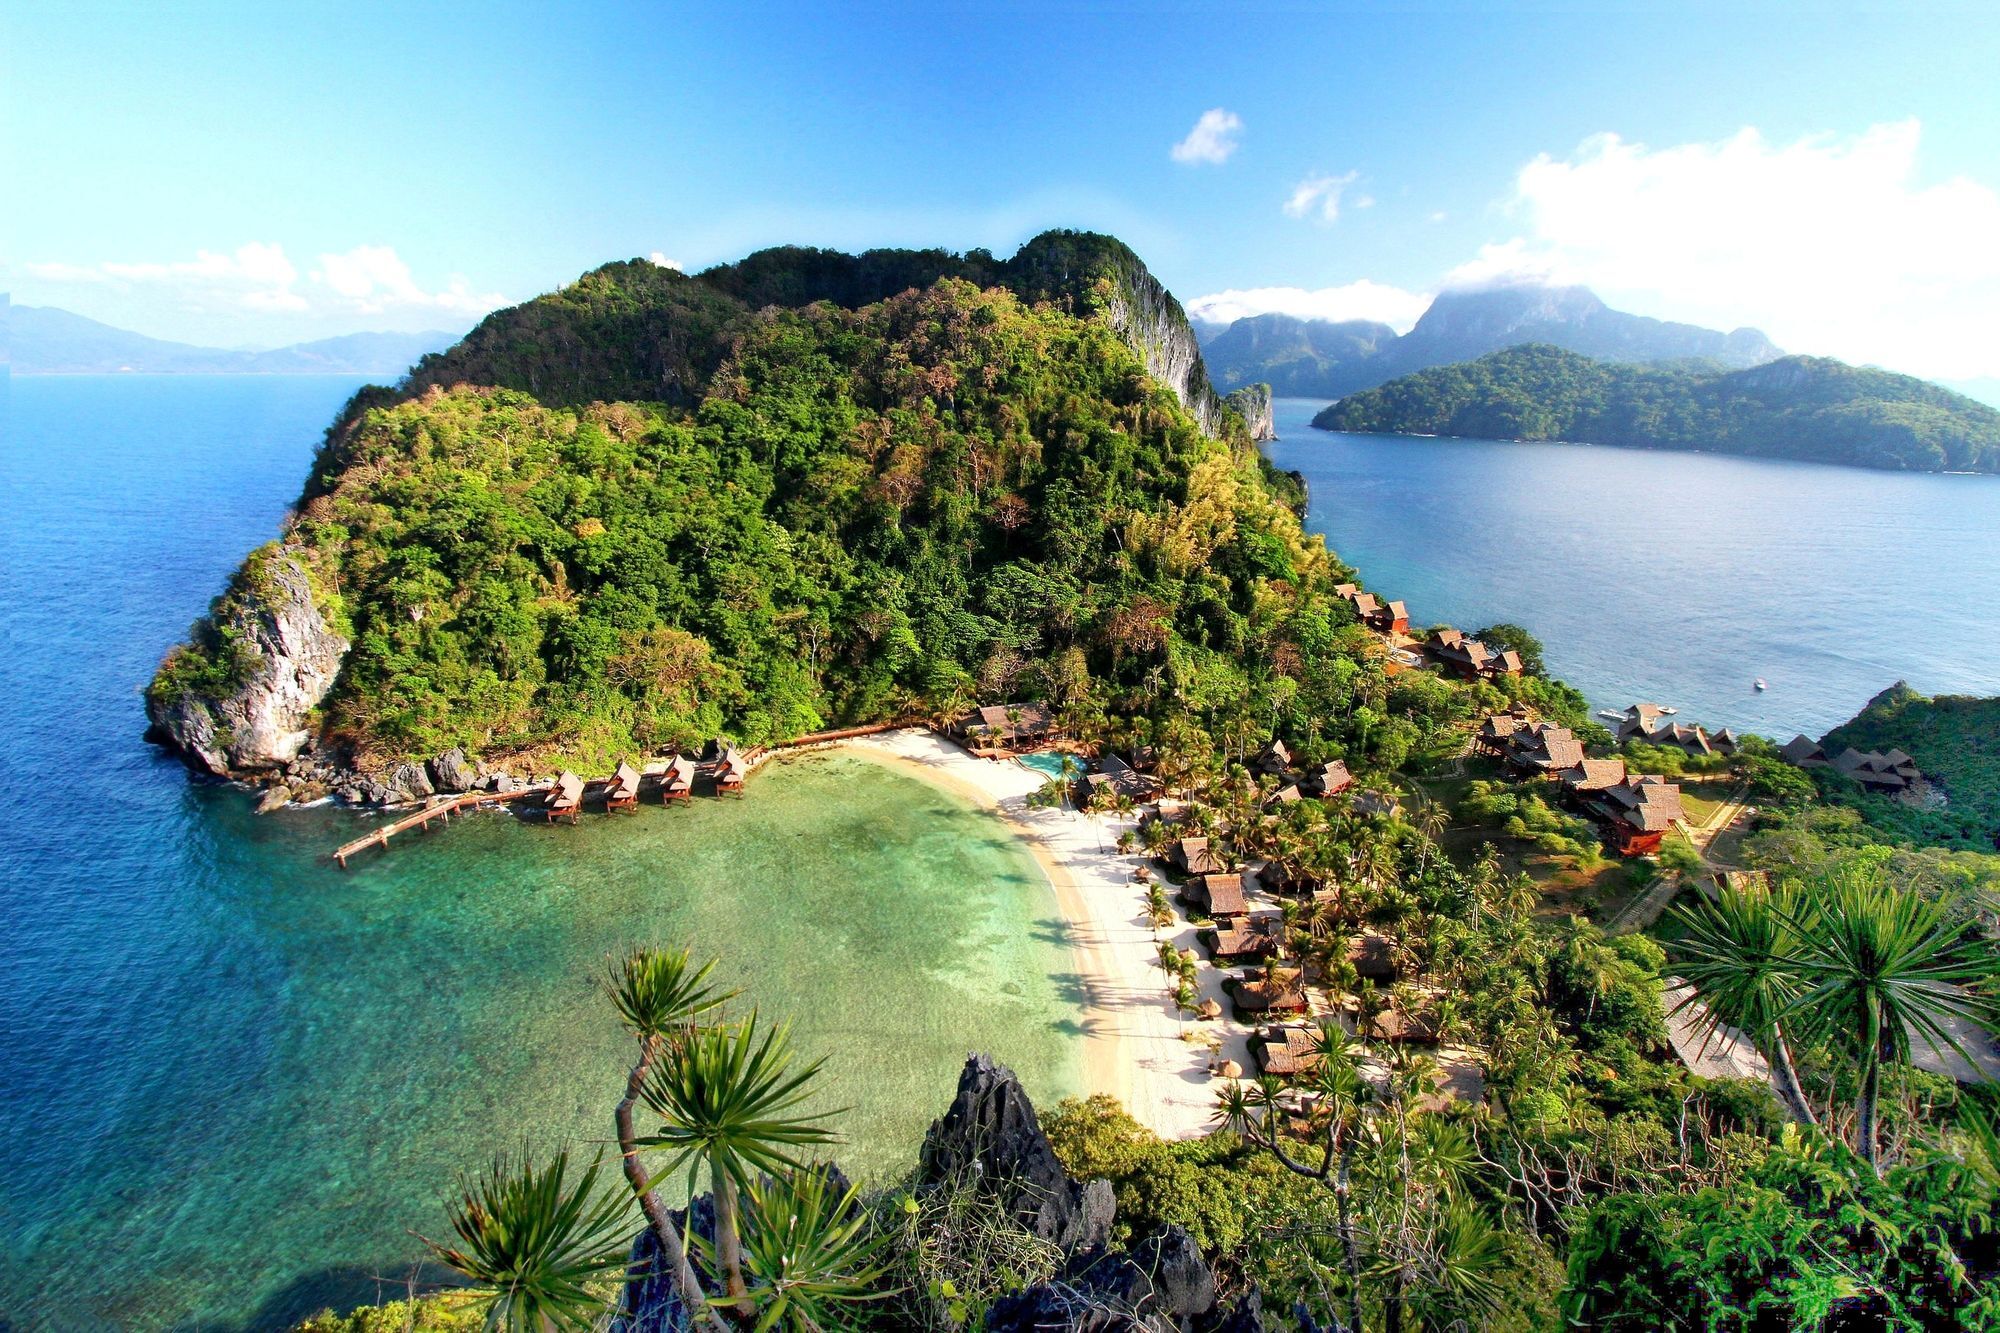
(1217, 896)
(1194, 856)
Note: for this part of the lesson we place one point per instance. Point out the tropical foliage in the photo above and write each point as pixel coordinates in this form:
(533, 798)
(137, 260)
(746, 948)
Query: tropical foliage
(1797, 407)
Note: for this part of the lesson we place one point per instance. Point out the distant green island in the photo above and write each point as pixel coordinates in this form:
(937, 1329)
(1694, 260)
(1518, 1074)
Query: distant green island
(1811, 409)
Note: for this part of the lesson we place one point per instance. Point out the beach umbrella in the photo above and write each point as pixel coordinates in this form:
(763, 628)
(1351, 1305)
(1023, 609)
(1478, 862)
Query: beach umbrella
(1211, 1008)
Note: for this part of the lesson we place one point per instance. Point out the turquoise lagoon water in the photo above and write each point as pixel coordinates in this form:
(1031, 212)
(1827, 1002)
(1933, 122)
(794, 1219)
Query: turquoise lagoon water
(234, 1079)
(1675, 577)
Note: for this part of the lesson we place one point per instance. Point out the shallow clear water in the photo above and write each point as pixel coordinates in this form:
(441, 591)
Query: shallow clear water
(1675, 577)
(236, 1078)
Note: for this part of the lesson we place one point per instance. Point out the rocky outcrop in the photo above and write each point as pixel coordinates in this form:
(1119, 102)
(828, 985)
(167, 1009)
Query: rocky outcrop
(236, 698)
(991, 1133)
(1253, 402)
(453, 772)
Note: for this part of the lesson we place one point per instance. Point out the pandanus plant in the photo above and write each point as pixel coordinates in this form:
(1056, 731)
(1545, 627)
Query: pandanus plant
(538, 1240)
(730, 1101)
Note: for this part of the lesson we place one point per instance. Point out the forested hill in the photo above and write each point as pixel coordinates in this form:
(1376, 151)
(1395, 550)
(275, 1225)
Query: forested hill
(1955, 740)
(1807, 408)
(651, 508)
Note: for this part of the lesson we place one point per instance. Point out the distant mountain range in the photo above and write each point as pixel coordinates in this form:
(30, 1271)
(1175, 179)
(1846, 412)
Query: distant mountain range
(1324, 358)
(45, 340)
(1809, 408)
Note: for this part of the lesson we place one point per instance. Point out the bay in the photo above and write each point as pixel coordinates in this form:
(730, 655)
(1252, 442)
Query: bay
(1679, 578)
(233, 1079)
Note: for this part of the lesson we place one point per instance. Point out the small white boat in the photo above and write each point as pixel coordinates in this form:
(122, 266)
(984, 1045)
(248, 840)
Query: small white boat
(1759, 685)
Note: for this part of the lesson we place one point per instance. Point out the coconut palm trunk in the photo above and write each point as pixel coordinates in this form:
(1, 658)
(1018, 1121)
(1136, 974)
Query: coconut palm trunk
(728, 1241)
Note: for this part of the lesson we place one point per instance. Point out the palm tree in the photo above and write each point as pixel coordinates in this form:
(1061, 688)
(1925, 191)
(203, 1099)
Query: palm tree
(537, 1242)
(1736, 954)
(1879, 966)
(659, 994)
(730, 1105)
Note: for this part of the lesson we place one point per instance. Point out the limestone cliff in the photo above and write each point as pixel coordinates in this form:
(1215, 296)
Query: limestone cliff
(238, 696)
(1253, 401)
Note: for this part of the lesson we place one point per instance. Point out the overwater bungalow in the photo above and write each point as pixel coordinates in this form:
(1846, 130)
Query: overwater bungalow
(1637, 813)
(1328, 779)
(564, 799)
(677, 782)
(1219, 896)
(731, 770)
(622, 792)
(1193, 856)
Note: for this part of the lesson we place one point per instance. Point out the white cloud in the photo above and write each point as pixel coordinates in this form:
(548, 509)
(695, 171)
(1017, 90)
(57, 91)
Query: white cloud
(659, 257)
(1356, 300)
(1212, 139)
(1318, 197)
(259, 277)
(1437, 216)
(1830, 244)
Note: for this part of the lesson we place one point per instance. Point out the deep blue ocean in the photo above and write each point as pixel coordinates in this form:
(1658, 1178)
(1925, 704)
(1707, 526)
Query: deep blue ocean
(233, 1080)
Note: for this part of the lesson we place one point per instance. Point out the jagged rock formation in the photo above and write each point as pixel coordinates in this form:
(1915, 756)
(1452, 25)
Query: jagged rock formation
(1253, 402)
(991, 1133)
(238, 696)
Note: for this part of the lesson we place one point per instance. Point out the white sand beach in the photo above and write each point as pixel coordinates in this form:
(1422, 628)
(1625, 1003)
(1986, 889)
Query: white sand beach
(1134, 1047)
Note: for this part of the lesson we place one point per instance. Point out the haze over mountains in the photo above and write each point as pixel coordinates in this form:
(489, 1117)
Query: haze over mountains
(46, 340)
(1324, 358)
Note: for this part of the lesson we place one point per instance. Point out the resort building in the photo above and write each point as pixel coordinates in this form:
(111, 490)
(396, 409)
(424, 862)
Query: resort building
(1010, 726)
(1193, 856)
(1274, 758)
(1637, 813)
(1328, 779)
(1376, 804)
(1594, 775)
(1691, 740)
(1391, 618)
(1893, 771)
(1286, 1051)
(1115, 778)
(1217, 896)
(1470, 658)
(1251, 939)
(1640, 720)
(1496, 733)
(1803, 751)
(1543, 747)
(1255, 995)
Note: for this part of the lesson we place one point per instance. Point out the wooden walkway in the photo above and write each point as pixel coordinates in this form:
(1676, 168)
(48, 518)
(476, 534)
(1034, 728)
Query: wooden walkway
(421, 819)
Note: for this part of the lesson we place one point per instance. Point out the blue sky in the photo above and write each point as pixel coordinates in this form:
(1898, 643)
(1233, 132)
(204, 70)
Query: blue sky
(255, 174)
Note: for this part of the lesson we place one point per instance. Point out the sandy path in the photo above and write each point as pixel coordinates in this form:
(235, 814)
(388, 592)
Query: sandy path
(1132, 1031)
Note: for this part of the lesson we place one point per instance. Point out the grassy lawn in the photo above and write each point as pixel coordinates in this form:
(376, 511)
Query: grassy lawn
(1567, 886)
(1701, 799)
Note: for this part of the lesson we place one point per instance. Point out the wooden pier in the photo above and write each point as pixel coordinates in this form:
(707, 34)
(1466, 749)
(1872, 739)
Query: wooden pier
(421, 819)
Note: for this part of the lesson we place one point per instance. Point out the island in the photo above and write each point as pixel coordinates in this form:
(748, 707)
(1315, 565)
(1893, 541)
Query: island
(1808, 409)
(1356, 905)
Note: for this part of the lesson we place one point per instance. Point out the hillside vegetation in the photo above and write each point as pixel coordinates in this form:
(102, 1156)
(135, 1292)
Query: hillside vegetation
(1807, 408)
(1955, 740)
